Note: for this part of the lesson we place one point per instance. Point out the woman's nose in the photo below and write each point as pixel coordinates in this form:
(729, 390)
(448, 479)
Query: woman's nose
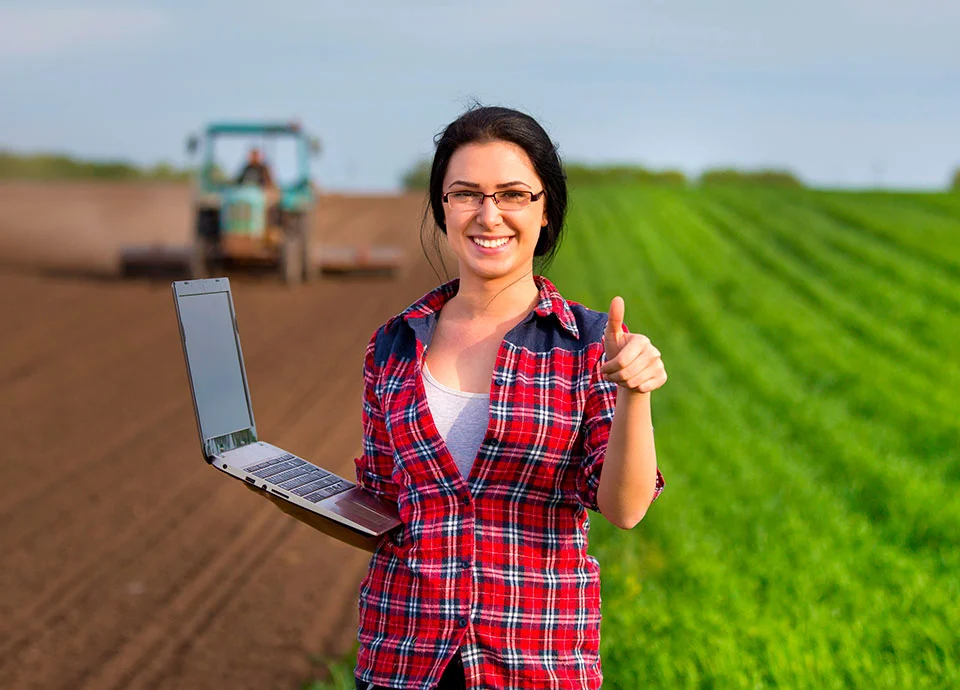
(489, 213)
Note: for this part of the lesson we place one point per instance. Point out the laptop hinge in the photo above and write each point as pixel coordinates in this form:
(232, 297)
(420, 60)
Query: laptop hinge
(235, 439)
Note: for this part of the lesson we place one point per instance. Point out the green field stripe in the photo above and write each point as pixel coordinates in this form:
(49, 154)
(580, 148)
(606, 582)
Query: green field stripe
(927, 393)
(703, 664)
(884, 257)
(931, 389)
(798, 219)
(925, 221)
(779, 564)
(926, 388)
(876, 389)
(917, 235)
(800, 229)
(944, 205)
(934, 214)
(889, 484)
(831, 285)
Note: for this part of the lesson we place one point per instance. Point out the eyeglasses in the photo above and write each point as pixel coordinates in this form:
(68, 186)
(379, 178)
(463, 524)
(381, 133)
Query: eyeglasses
(510, 200)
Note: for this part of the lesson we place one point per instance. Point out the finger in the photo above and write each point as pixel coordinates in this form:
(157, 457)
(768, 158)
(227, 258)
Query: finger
(634, 347)
(615, 318)
(644, 365)
(646, 383)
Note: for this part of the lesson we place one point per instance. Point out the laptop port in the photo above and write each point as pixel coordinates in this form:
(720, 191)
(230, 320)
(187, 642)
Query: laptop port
(251, 480)
(278, 493)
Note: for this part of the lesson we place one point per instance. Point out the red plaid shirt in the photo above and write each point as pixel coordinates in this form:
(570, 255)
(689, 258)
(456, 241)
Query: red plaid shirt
(495, 564)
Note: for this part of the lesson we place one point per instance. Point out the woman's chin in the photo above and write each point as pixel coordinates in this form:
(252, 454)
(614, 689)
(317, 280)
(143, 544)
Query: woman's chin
(489, 269)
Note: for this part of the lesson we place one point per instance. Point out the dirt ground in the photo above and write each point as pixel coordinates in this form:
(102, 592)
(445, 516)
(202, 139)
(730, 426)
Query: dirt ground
(127, 562)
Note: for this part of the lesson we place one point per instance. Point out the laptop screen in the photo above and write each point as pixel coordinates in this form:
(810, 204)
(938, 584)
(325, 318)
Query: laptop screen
(213, 354)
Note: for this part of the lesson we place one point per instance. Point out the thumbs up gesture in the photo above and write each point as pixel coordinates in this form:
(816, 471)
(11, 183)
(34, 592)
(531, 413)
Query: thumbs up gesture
(632, 360)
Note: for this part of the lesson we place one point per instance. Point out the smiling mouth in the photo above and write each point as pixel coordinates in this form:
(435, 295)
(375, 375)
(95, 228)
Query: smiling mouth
(490, 244)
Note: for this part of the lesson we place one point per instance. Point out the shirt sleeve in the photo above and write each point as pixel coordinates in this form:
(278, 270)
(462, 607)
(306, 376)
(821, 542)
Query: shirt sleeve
(597, 418)
(375, 466)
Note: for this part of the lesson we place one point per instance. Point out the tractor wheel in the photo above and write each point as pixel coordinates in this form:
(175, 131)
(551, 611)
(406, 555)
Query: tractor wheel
(292, 257)
(309, 266)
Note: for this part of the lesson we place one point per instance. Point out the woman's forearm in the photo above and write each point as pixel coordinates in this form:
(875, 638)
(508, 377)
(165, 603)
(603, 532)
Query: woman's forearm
(629, 476)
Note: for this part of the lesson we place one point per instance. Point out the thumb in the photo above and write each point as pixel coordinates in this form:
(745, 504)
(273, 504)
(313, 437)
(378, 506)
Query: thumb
(614, 332)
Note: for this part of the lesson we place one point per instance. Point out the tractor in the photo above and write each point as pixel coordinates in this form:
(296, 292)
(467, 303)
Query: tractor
(256, 220)
(242, 222)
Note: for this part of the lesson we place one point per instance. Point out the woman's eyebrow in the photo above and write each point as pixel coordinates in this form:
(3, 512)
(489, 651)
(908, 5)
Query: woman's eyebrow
(502, 185)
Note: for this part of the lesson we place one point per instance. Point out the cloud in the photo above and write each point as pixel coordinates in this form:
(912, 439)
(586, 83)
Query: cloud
(69, 29)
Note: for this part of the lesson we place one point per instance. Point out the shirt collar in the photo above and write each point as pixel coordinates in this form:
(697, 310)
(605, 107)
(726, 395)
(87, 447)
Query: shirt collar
(551, 302)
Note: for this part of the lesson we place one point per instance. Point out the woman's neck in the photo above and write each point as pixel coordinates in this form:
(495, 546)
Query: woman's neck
(498, 300)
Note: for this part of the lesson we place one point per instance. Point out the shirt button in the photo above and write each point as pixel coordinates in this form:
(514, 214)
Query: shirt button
(499, 380)
(465, 563)
(462, 621)
(466, 500)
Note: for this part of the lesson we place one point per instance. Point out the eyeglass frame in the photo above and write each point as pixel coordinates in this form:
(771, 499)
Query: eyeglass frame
(483, 197)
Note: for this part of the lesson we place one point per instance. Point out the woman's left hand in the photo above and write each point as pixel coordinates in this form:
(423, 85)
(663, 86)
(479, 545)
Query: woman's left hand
(632, 360)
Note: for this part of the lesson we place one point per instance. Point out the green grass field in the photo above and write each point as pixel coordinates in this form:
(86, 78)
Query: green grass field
(809, 533)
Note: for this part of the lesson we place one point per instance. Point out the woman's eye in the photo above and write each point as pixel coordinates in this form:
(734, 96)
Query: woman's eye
(513, 196)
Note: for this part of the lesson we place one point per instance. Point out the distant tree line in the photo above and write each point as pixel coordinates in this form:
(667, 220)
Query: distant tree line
(417, 178)
(764, 178)
(956, 180)
(581, 174)
(62, 167)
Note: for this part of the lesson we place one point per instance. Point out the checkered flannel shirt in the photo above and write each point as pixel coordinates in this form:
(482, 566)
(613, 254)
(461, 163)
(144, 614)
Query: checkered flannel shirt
(494, 564)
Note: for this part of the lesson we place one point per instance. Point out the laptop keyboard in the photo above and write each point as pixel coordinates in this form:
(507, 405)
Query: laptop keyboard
(290, 473)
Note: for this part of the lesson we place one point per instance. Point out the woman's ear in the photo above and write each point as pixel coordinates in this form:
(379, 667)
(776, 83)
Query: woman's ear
(543, 221)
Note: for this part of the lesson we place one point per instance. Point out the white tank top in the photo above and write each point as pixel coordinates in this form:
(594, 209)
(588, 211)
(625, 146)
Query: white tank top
(461, 418)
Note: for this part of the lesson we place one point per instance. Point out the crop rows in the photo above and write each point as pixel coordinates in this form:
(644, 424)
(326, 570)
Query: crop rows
(808, 535)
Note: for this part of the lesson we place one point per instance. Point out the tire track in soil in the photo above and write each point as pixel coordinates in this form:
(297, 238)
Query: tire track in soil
(265, 340)
(167, 665)
(23, 294)
(103, 632)
(214, 580)
(166, 640)
(56, 517)
(279, 381)
(335, 394)
(31, 345)
(344, 602)
(174, 400)
(200, 596)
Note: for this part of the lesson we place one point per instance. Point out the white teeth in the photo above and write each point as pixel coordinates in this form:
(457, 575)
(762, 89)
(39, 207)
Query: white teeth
(491, 244)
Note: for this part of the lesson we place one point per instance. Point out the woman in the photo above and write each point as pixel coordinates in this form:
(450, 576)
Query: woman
(495, 414)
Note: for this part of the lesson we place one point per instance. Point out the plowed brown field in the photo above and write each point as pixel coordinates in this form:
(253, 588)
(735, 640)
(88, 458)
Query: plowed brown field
(126, 561)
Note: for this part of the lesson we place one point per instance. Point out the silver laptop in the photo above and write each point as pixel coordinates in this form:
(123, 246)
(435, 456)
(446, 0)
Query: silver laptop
(228, 435)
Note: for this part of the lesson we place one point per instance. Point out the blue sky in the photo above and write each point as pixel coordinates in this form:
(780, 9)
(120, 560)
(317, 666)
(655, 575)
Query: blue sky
(844, 93)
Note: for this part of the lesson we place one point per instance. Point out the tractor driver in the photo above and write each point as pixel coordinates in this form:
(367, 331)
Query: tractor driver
(256, 171)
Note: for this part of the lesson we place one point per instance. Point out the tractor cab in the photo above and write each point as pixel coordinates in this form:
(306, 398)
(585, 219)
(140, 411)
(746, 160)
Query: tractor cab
(253, 196)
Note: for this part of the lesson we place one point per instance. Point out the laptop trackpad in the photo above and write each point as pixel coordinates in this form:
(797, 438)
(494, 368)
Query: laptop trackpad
(362, 508)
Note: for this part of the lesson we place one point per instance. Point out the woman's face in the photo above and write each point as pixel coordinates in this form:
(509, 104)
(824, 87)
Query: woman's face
(490, 242)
